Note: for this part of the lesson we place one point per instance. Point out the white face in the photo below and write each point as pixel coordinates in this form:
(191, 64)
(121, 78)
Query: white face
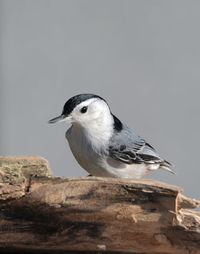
(90, 111)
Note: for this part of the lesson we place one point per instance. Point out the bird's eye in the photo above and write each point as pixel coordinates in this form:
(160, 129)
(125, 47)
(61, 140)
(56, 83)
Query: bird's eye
(83, 110)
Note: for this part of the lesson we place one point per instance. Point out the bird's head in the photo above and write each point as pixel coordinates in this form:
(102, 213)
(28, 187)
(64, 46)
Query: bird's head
(85, 110)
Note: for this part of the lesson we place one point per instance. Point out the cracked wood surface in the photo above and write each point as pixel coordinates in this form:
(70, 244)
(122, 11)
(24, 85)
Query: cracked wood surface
(39, 212)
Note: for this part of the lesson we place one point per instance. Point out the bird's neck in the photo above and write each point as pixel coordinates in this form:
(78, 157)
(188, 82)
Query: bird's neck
(98, 132)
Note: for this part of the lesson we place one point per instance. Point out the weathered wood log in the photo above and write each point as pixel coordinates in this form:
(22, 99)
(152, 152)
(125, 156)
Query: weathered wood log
(39, 212)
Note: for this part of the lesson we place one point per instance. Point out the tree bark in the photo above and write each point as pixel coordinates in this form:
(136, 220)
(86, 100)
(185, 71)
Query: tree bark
(39, 212)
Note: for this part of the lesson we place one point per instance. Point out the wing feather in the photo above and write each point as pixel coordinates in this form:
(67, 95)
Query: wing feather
(129, 148)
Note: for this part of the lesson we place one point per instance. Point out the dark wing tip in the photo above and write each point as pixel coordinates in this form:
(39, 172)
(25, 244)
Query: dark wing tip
(167, 166)
(167, 163)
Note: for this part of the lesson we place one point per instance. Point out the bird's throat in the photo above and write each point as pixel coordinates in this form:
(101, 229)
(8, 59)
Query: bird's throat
(96, 133)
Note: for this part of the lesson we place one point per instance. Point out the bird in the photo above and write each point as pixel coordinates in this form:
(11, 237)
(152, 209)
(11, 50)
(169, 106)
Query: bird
(102, 144)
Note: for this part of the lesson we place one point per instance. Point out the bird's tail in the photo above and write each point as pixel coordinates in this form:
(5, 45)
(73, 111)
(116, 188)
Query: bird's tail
(167, 166)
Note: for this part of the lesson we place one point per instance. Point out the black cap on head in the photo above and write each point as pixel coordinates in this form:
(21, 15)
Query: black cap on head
(75, 100)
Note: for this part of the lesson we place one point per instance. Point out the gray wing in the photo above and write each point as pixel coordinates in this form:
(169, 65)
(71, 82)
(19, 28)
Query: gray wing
(126, 146)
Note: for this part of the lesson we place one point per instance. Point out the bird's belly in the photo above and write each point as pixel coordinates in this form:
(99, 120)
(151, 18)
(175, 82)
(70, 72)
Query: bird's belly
(91, 162)
(122, 170)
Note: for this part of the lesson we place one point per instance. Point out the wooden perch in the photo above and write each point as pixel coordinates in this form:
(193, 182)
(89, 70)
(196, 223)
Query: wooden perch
(39, 212)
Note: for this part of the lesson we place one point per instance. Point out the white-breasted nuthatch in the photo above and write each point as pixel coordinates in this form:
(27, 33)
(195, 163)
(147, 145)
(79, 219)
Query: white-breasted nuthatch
(102, 144)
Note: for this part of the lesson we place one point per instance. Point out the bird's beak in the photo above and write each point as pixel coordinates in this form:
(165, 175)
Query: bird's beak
(60, 118)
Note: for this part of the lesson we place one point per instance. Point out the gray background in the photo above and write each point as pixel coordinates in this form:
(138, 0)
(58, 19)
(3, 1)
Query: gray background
(142, 56)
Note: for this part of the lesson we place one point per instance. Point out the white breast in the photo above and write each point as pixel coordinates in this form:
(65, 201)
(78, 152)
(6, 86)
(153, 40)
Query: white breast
(87, 155)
